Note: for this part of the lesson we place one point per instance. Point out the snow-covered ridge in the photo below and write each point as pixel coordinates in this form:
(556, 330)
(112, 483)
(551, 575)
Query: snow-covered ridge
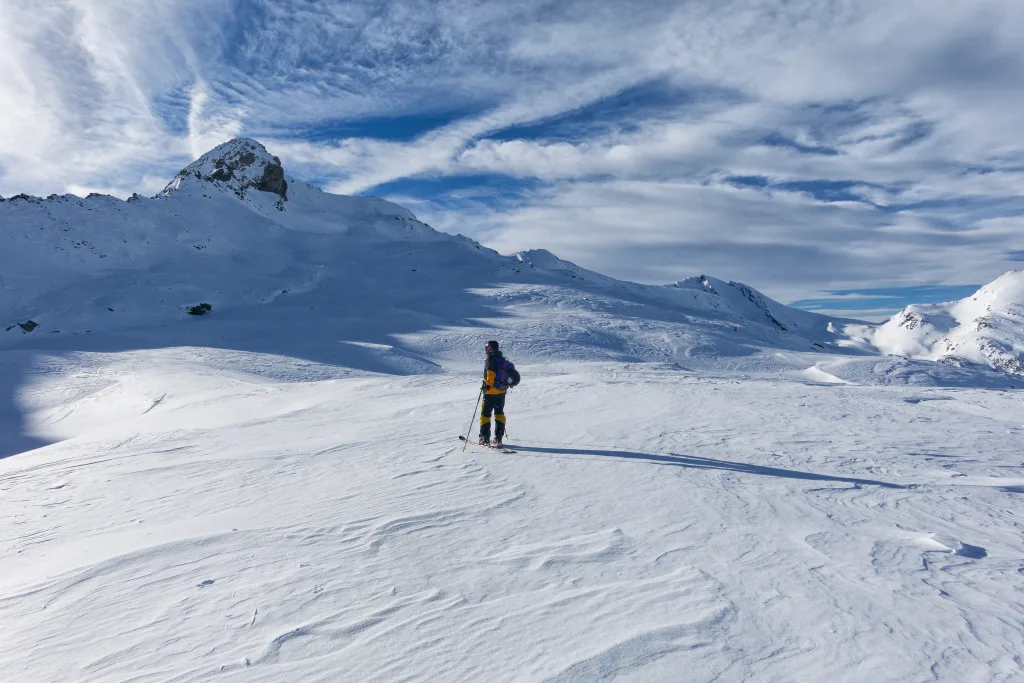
(233, 230)
(737, 294)
(986, 328)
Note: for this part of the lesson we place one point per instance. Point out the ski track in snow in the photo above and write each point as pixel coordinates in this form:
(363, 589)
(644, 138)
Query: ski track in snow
(654, 525)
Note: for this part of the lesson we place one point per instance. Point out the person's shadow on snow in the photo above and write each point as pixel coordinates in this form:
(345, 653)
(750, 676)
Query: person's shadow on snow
(703, 463)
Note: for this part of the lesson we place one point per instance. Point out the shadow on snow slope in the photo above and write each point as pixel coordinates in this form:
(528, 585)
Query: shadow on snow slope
(13, 439)
(331, 306)
(323, 325)
(703, 463)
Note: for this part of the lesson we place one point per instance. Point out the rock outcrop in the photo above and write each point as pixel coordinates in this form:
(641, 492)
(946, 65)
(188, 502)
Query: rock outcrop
(239, 165)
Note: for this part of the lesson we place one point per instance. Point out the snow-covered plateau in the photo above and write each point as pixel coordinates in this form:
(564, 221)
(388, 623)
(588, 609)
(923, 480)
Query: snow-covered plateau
(228, 421)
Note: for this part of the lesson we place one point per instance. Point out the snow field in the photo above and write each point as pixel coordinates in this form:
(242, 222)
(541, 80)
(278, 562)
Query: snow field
(208, 520)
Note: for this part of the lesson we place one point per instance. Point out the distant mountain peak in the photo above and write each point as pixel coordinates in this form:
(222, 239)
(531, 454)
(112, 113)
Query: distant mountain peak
(238, 165)
(985, 328)
(1007, 289)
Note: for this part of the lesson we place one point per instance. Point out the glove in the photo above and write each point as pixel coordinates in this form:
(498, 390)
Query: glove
(484, 387)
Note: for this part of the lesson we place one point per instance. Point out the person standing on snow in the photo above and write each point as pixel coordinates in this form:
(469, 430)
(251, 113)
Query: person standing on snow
(494, 398)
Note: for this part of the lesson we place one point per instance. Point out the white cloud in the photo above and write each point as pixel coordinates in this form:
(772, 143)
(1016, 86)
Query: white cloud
(206, 128)
(876, 315)
(782, 242)
(76, 89)
(918, 100)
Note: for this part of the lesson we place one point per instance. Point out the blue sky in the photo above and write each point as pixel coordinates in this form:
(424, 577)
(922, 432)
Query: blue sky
(849, 157)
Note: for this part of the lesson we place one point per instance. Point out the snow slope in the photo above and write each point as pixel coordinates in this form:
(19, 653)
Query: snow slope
(709, 486)
(986, 328)
(200, 520)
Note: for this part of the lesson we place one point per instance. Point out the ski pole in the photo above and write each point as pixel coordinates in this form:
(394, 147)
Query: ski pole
(476, 407)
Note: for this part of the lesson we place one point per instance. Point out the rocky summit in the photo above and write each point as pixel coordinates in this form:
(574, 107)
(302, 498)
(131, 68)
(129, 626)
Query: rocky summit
(239, 165)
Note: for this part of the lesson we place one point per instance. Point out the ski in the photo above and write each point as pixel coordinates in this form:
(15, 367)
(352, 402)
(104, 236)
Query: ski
(503, 449)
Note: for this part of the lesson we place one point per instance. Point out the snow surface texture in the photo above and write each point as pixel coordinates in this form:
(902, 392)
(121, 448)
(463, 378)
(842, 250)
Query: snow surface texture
(709, 486)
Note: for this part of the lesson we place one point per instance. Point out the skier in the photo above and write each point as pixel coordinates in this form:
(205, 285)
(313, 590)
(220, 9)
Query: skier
(494, 398)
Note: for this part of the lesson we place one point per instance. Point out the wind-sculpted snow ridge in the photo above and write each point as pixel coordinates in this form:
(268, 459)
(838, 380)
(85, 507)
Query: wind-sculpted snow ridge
(986, 328)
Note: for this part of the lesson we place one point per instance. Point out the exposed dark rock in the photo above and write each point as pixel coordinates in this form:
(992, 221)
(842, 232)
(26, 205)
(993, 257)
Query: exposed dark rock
(201, 309)
(222, 174)
(273, 180)
(910, 320)
(28, 326)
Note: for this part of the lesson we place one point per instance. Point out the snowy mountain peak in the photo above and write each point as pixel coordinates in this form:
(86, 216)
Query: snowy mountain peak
(986, 328)
(1005, 291)
(238, 165)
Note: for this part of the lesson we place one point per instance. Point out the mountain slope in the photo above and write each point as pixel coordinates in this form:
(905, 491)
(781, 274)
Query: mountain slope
(270, 253)
(986, 328)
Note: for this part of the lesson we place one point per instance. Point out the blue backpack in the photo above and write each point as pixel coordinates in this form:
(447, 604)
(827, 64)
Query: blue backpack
(505, 374)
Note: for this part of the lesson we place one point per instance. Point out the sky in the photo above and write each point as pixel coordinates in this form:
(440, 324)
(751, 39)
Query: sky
(848, 156)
